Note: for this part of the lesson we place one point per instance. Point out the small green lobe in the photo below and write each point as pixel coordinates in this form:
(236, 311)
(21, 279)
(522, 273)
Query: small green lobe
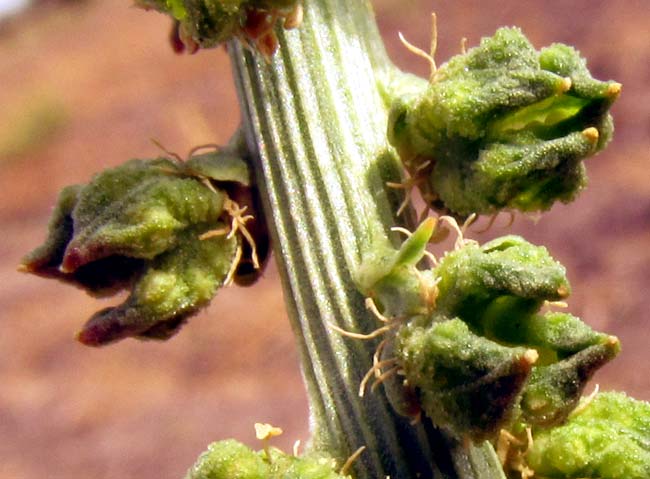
(554, 390)
(468, 384)
(474, 277)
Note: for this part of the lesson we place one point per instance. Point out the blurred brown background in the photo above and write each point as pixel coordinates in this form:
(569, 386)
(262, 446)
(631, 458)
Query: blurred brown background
(86, 85)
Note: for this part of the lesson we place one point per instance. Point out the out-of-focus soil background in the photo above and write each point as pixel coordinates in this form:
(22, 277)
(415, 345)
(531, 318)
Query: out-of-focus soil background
(86, 85)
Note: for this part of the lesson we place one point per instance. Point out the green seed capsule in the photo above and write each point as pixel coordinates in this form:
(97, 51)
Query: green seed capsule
(470, 340)
(504, 126)
(467, 384)
(143, 226)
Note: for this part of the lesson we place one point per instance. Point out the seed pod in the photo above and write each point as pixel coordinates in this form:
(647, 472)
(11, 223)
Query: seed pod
(142, 226)
(504, 126)
(468, 385)
(491, 286)
(468, 337)
(553, 391)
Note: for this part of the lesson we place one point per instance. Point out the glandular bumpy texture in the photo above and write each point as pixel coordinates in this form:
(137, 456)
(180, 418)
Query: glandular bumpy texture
(477, 349)
(230, 459)
(504, 126)
(139, 226)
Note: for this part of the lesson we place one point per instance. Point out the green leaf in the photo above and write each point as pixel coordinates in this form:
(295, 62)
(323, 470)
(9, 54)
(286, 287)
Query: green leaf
(389, 276)
(412, 250)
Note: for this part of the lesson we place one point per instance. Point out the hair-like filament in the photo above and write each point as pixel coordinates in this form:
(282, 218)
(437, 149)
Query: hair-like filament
(375, 370)
(514, 458)
(493, 218)
(237, 224)
(373, 334)
(429, 57)
(584, 402)
(350, 461)
(296, 448)
(294, 18)
(238, 219)
(460, 230)
(407, 185)
(385, 375)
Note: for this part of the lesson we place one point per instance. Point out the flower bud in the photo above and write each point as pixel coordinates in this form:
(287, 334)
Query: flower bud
(475, 351)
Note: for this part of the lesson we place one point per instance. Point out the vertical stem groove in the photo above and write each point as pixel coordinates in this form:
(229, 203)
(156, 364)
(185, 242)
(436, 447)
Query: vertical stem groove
(315, 120)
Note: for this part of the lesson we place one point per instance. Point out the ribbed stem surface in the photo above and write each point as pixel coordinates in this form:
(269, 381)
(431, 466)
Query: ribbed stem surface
(315, 119)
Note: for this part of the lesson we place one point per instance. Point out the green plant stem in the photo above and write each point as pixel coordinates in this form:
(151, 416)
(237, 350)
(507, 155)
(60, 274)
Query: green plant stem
(316, 123)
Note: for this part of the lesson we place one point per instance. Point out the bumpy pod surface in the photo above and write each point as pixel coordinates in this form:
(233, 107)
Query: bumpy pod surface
(466, 384)
(138, 226)
(230, 459)
(486, 356)
(504, 126)
(476, 350)
(608, 438)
